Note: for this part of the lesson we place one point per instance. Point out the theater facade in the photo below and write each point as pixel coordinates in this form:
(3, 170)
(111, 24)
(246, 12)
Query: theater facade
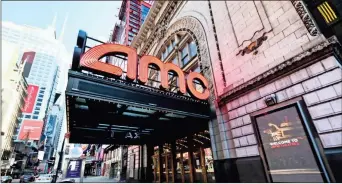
(254, 94)
(274, 80)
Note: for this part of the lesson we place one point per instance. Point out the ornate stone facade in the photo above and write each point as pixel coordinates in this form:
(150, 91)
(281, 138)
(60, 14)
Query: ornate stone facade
(294, 61)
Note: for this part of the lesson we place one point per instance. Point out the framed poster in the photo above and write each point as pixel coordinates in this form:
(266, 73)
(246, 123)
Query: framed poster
(74, 169)
(289, 150)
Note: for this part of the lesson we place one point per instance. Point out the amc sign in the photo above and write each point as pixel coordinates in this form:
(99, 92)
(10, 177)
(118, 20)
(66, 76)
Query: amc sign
(90, 60)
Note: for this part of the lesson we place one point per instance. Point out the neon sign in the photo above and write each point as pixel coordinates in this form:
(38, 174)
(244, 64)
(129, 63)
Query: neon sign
(90, 60)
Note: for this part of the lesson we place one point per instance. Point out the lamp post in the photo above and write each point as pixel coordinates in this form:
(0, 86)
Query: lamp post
(54, 180)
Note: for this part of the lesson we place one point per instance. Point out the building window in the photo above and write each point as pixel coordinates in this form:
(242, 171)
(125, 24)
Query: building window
(27, 116)
(193, 49)
(131, 34)
(134, 21)
(35, 117)
(169, 48)
(173, 43)
(39, 100)
(185, 56)
(39, 104)
(36, 112)
(175, 60)
(164, 55)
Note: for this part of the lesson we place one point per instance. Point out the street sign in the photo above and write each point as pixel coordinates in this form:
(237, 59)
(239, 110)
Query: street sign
(74, 169)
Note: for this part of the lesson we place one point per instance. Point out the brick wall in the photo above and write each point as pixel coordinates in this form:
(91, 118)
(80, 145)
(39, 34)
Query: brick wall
(320, 85)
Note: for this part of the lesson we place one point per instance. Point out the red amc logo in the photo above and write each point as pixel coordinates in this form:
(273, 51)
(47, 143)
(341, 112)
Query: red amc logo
(90, 60)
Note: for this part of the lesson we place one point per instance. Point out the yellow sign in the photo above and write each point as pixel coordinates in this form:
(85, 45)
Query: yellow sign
(327, 12)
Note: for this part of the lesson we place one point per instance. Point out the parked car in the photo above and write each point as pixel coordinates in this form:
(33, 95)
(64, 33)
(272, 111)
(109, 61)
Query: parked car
(44, 178)
(6, 179)
(27, 178)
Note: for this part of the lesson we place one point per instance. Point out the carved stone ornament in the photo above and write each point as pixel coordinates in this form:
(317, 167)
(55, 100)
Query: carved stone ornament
(161, 31)
(304, 15)
(193, 26)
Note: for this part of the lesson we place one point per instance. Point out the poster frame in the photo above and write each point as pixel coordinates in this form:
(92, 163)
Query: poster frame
(309, 129)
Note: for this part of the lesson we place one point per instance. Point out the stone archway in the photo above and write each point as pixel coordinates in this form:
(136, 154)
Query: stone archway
(195, 29)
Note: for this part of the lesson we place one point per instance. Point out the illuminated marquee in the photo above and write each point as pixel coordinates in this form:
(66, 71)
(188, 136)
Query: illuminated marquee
(90, 60)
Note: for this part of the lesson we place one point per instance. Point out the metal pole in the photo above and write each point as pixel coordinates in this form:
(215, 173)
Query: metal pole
(54, 180)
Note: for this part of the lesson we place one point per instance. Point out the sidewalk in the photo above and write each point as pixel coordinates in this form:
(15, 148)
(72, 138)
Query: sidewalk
(99, 179)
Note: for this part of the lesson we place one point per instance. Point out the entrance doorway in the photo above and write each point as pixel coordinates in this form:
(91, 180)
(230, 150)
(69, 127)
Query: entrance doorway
(184, 164)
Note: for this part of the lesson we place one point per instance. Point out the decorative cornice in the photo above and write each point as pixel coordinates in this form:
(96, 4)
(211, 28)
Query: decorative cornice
(298, 62)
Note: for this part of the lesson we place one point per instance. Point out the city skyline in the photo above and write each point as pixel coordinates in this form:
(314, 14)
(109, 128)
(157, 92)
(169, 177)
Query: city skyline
(41, 14)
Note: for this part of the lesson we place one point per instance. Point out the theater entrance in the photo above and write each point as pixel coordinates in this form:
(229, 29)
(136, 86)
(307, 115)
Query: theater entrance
(107, 109)
(183, 163)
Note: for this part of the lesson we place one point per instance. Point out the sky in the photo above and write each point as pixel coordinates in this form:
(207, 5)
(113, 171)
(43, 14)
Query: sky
(97, 18)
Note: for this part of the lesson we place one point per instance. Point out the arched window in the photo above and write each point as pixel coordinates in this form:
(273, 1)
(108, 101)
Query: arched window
(181, 50)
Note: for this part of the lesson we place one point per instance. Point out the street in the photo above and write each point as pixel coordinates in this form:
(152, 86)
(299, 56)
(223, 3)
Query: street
(89, 179)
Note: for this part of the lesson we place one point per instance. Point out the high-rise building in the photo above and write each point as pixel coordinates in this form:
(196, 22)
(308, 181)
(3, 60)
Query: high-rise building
(13, 93)
(44, 59)
(132, 15)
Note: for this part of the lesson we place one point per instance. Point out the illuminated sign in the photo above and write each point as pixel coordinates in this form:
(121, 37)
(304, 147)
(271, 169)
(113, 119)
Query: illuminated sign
(90, 60)
(287, 149)
(327, 12)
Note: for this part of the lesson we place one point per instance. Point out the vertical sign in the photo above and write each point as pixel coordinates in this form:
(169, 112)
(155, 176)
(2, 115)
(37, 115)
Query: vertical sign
(74, 169)
(27, 59)
(32, 92)
(287, 149)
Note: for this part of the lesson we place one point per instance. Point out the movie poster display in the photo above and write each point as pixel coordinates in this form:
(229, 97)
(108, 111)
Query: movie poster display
(286, 147)
(74, 169)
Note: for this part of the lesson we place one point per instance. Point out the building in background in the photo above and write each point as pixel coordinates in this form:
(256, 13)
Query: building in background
(44, 59)
(132, 15)
(13, 94)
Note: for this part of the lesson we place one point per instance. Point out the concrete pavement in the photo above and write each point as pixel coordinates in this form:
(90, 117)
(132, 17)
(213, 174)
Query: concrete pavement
(99, 179)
